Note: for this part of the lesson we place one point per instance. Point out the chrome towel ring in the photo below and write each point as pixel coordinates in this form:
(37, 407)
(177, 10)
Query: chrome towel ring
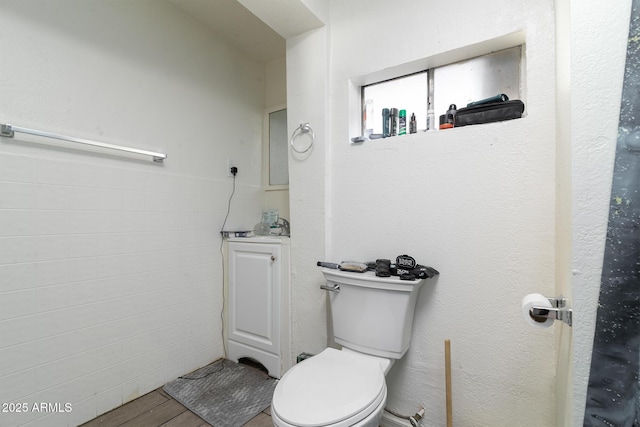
(303, 129)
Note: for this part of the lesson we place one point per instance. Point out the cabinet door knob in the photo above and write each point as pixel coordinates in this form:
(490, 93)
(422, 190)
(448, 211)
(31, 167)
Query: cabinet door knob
(273, 258)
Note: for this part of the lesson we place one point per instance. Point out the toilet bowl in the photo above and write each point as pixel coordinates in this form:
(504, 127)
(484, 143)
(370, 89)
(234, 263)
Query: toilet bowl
(335, 388)
(372, 320)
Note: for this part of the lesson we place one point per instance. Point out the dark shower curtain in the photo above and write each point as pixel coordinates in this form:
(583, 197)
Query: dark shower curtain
(613, 395)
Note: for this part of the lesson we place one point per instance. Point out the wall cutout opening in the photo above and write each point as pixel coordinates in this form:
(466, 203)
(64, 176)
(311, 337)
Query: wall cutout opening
(427, 94)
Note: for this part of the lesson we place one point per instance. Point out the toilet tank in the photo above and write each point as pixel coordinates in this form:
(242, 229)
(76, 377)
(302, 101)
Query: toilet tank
(372, 315)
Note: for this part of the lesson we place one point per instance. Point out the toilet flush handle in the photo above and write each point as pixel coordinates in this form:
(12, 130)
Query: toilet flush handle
(334, 288)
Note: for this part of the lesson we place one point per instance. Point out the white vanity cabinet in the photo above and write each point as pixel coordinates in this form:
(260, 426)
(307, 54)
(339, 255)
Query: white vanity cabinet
(258, 301)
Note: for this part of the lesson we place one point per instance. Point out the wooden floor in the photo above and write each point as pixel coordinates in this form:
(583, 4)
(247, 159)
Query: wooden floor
(157, 409)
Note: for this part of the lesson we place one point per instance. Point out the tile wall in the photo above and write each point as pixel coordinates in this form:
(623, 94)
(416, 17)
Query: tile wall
(110, 281)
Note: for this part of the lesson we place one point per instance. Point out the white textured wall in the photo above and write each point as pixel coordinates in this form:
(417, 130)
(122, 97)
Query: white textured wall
(276, 82)
(110, 275)
(598, 51)
(307, 102)
(477, 203)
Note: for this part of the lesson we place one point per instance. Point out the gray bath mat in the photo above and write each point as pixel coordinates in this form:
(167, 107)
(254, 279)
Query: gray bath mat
(225, 393)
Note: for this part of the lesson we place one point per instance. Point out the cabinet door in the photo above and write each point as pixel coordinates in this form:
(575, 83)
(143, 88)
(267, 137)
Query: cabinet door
(254, 295)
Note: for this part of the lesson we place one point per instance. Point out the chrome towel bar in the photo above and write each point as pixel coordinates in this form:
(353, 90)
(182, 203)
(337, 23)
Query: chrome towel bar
(8, 130)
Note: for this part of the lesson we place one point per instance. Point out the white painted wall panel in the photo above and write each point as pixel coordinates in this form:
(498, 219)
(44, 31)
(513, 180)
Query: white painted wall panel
(477, 203)
(110, 271)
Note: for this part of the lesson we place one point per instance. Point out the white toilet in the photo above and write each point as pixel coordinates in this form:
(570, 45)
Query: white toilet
(372, 320)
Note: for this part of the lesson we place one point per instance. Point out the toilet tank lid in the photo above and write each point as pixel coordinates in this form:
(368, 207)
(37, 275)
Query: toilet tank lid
(328, 388)
(369, 279)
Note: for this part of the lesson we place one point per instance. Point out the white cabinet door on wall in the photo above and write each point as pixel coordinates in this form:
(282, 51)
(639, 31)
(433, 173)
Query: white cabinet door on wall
(256, 297)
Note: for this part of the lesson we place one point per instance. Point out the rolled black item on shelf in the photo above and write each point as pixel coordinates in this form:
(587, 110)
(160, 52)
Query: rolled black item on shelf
(497, 98)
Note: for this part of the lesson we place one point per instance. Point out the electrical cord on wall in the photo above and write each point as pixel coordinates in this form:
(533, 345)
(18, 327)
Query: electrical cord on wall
(234, 171)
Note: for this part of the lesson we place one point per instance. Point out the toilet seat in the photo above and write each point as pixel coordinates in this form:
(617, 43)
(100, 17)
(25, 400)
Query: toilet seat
(334, 388)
